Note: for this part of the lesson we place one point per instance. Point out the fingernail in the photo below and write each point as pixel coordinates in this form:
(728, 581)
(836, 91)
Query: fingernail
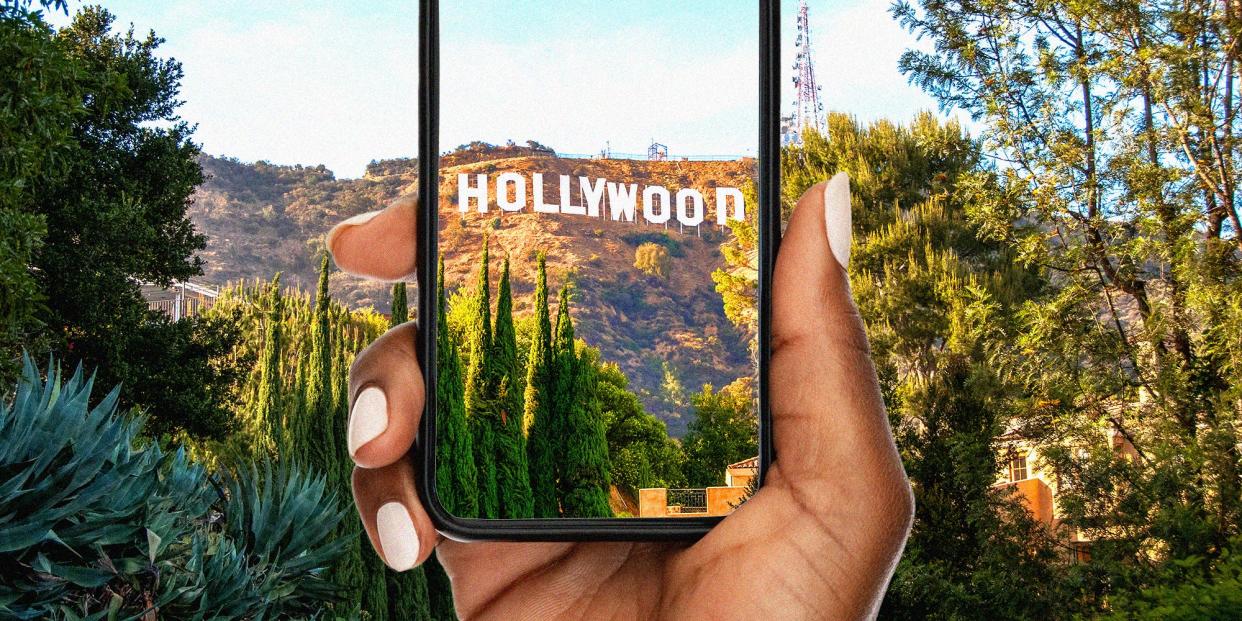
(838, 220)
(398, 539)
(357, 220)
(368, 418)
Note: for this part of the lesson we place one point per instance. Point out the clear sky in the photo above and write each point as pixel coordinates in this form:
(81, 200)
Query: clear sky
(312, 82)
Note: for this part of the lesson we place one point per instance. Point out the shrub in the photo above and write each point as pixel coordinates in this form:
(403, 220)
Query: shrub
(100, 523)
(652, 259)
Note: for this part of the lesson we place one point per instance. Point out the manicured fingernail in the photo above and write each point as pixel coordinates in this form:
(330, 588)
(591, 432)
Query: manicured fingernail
(398, 539)
(838, 220)
(357, 220)
(368, 418)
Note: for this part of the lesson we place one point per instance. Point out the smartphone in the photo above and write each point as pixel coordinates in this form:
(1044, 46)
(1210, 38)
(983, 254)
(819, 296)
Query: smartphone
(599, 219)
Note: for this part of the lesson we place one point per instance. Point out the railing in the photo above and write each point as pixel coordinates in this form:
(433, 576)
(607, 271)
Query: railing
(687, 501)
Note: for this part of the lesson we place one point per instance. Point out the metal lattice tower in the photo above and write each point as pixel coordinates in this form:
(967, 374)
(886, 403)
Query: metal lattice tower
(808, 109)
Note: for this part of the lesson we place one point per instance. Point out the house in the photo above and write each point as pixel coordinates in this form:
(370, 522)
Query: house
(181, 299)
(704, 501)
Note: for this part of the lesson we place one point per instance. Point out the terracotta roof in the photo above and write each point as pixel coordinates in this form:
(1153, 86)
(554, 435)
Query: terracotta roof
(752, 462)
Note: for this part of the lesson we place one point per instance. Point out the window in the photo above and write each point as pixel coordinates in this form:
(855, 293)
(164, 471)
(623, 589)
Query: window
(1017, 466)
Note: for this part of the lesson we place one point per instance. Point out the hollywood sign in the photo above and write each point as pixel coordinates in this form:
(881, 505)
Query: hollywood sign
(598, 198)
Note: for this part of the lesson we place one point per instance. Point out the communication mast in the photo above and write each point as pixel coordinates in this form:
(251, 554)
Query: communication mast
(808, 109)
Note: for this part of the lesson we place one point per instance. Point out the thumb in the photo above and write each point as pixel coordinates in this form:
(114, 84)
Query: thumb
(827, 413)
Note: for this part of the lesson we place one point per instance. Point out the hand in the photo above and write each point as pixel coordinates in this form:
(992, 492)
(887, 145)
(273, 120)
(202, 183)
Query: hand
(819, 539)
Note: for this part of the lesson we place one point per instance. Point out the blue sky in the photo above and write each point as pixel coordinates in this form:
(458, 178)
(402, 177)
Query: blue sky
(335, 83)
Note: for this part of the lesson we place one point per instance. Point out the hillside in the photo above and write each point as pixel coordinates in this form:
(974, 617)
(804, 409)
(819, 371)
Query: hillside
(261, 218)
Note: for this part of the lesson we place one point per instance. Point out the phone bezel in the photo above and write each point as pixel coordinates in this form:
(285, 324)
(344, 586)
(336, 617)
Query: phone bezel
(769, 222)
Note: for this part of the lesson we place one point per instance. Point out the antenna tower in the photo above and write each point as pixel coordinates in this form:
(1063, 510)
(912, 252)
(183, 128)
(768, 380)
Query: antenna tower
(808, 109)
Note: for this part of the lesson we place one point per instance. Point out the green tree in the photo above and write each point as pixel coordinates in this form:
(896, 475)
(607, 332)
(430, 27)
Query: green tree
(541, 430)
(480, 400)
(639, 449)
(1118, 126)
(268, 414)
(400, 305)
(582, 468)
(456, 477)
(43, 103)
(408, 597)
(512, 476)
(724, 431)
(114, 208)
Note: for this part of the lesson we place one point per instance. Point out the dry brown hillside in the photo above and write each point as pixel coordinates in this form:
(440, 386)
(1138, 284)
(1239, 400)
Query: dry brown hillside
(261, 219)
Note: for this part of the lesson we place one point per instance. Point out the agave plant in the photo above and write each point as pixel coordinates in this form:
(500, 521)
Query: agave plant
(96, 523)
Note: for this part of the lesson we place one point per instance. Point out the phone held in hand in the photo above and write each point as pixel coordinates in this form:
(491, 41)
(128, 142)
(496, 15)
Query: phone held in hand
(598, 235)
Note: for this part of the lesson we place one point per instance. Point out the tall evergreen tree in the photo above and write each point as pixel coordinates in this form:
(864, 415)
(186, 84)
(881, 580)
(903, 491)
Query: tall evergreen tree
(313, 446)
(400, 305)
(440, 589)
(268, 408)
(408, 597)
(480, 404)
(456, 477)
(583, 478)
(537, 416)
(512, 477)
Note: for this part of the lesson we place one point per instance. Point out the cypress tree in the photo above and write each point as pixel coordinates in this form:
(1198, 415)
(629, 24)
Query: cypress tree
(268, 410)
(585, 469)
(313, 447)
(407, 594)
(400, 306)
(440, 591)
(581, 449)
(351, 572)
(456, 479)
(512, 479)
(480, 407)
(537, 415)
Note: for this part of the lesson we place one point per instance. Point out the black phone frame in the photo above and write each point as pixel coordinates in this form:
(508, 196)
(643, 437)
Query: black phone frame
(769, 223)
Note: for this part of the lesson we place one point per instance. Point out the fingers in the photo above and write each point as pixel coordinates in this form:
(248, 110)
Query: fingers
(827, 411)
(387, 396)
(381, 245)
(398, 527)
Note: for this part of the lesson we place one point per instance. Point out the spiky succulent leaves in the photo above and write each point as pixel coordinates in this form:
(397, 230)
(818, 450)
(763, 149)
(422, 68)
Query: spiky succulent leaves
(480, 404)
(512, 477)
(456, 478)
(400, 305)
(537, 414)
(110, 525)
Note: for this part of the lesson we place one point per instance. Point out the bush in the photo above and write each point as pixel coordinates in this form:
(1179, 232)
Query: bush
(652, 259)
(100, 523)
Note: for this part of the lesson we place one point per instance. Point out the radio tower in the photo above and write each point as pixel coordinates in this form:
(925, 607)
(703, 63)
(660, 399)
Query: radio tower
(808, 109)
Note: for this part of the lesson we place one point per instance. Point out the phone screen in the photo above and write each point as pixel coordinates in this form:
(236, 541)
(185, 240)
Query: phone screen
(597, 231)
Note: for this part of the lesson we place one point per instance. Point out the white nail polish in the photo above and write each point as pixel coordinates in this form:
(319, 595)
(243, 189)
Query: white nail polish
(838, 220)
(357, 220)
(368, 418)
(397, 536)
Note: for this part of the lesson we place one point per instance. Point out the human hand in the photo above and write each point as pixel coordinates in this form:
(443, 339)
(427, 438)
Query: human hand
(819, 539)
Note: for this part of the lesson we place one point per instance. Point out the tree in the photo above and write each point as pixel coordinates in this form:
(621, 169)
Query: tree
(1118, 125)
(724, 431)
(639, 449)
(652, 259)
(581, 449)
(44, 102)
(114, 211)
(268, 415)
(512, 476)
(408, 597)
(480, 402)
(456, 476)
(541, 430)
(400, 305)
(312, 447)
